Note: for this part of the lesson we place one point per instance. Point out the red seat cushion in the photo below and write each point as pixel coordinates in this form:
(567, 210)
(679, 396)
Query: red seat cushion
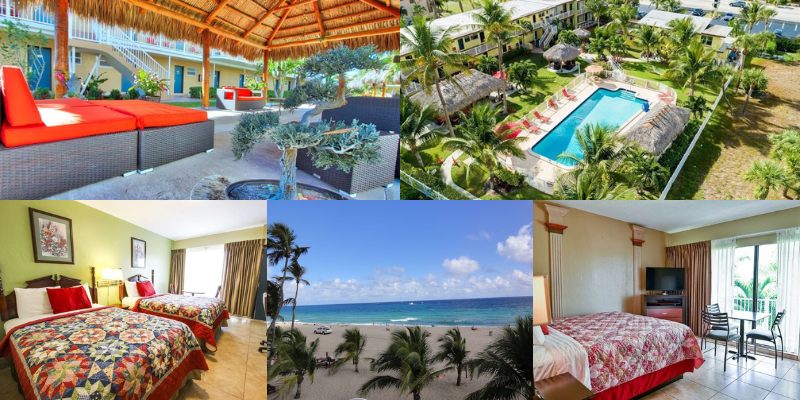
(20, 110)
(150, 114)
(251, 98)
(66, 123)
(244, 92)
(145, 288)
(68, 299)
(228, 95)
(59, 103)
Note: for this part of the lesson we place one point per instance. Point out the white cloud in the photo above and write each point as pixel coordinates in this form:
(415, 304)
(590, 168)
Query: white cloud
(522, 276)
(460, 266)
(482, 235)
(518, 247)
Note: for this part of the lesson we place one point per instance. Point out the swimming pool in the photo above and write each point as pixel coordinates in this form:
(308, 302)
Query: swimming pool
(606, 107)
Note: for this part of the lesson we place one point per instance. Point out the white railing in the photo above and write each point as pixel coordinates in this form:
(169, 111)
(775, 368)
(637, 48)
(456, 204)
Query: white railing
(421, 187)
(480, 49)
(131, 52)
(763, 306)
(549, 34)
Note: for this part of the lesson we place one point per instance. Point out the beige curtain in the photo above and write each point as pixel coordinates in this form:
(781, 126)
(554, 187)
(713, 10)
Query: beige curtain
(696, 259)
(240, 276)
(176, 271)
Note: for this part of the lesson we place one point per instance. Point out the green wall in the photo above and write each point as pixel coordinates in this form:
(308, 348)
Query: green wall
(100, 240)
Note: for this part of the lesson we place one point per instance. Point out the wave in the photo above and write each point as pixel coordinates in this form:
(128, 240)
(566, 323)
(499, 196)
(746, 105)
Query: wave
(403, 320)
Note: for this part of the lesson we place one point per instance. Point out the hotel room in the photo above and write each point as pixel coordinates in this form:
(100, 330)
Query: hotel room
(666, 300)
(132, 299)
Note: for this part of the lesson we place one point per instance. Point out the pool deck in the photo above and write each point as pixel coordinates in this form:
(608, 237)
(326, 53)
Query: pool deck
(541, 172)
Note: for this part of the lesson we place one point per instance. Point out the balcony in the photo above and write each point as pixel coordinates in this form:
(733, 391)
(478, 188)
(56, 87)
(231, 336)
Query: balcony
(483, 48)
(763, 305)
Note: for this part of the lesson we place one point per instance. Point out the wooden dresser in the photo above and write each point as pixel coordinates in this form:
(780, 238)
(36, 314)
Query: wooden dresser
(669, 307)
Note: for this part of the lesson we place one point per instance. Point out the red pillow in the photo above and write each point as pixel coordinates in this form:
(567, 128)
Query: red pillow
(68, 299)
(145, 289)
(545, 329)
(20, 110)
(228, 95)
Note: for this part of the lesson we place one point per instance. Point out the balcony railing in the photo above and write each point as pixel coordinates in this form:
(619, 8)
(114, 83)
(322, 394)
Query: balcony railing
(763, 306)
(480, 49)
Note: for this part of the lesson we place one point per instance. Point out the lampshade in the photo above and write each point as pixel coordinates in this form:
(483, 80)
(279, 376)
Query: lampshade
(541, 301)
(112, 274)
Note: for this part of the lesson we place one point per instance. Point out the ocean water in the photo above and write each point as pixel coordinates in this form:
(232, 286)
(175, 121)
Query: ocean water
(463, 312)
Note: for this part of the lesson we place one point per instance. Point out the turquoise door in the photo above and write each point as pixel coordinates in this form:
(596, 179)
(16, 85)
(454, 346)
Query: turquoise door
(241, 80)
(178, 79)
(216, 79)
(40, 65)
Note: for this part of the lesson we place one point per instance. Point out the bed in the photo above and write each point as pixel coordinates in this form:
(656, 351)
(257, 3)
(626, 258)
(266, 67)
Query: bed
(205, 316)
(98, 352)
(618, 355)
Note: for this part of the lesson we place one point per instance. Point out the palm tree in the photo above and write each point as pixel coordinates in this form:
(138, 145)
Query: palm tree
(591, 184)
(647, 37)
(509, 362)
(622, 16)
(693, 65)
(297, 271)
(410, 357)
(477, 137)
(597, 8)
(697, 105)
(416, 126)
(598, 45)
(431, 59)
(752, 79)
(273, 310)
(523, 73)
(295, 361)
(498, 24)
(756, 12)
(646, 174)
(453, 351)
(281, 246)
(767, 175)
(353, 346)
(568, 37)
(486, 64)
(681, 31)
(279, 70)
(616, 45)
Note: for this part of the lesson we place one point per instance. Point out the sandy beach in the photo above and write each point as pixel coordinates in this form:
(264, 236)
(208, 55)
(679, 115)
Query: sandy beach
(344, 385)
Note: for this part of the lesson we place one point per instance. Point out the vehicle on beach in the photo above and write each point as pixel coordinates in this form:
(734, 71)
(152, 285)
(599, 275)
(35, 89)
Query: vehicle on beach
(323, 330)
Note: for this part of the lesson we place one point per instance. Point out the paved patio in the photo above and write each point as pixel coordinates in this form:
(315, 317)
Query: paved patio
(178, 179)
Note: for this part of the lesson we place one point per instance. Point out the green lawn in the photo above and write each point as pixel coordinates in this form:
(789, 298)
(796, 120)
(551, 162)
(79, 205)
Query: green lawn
(547, 83)
(477, 178)
(187, 104)
(655, 72)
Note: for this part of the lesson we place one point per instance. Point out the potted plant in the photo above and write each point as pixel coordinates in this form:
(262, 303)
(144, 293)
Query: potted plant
(151, 85)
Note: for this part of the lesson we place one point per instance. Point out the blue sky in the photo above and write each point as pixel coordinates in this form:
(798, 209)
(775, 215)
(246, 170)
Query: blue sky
(373, 251)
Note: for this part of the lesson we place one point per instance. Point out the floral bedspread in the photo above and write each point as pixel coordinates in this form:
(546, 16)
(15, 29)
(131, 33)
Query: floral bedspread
(622, 346)
(202, 314)
(106, 353)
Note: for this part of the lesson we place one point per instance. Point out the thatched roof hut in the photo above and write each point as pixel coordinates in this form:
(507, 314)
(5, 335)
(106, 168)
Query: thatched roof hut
(474, 86)
(582, 34)
(562, 52)
(286, 28)
(659, 127)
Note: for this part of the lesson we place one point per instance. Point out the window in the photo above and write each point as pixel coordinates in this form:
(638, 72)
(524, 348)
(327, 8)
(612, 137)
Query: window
(77, 58)
(191, 71)
(104, 63)
(203, 271)
(755, 280)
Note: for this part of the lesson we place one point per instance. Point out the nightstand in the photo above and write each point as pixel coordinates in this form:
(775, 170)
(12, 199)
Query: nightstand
(563, 387)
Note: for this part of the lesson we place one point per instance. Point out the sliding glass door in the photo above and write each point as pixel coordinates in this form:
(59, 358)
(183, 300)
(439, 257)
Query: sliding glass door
(755, 280)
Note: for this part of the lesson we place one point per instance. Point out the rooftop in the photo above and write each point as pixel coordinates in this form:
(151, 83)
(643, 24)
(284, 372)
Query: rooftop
(661, 19)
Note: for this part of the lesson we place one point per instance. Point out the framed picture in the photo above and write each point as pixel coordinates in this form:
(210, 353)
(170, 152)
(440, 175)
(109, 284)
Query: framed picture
(138, 253)
(51, 236)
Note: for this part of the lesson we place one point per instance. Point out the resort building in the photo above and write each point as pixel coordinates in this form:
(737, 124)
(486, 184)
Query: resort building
(715, 36)
(118, 53)
(543, 15)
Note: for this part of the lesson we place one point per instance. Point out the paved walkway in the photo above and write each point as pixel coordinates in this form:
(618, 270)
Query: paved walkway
(447, 170)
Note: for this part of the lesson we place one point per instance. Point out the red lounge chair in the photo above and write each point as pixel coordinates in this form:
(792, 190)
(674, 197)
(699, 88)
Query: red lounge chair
(529, 126)
(513, 135)
(541, 117)
(567, 95)
(552, 103)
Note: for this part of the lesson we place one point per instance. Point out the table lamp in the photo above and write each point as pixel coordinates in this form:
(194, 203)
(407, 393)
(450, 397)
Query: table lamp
(541, 301)
(111, 277)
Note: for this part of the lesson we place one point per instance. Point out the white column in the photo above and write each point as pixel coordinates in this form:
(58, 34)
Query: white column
(556, 226)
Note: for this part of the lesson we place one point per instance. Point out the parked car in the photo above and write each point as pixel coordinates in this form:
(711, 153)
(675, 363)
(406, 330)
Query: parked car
(698, 12)
(323, 330)
(727, 17)
(778, 32)
(739, 4)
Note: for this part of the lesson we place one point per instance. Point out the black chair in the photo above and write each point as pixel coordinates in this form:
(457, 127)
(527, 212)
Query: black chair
(723, 333)
(769, 336)
(714, 309)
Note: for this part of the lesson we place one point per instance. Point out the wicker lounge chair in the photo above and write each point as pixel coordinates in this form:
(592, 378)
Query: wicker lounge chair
(385, 114)
(239, 99)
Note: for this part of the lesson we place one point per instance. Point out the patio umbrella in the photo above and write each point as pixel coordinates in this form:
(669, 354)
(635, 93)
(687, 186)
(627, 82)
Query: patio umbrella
(582, 34)
(562, 52)
(594, 69)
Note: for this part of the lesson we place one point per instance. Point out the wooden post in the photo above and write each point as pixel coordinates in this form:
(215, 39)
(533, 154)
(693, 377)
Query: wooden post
(62, 45)
(266, 74)
(206, 66)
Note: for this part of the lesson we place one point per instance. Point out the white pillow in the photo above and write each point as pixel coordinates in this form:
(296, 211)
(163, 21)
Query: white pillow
(32, 302)
(538, 336)
(130, 287)
(88, 292)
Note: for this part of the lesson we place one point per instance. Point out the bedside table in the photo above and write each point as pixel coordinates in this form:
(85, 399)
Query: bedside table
(563, 387)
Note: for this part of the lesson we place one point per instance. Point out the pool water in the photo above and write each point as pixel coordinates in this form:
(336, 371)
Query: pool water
(606, 107)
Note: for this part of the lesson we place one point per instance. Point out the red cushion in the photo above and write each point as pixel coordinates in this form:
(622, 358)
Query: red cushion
(20, 110)
(145, 288)
(58, 103)
(68, 299)
(244, 92)
(65, 122)
(545, 329)
(150, 114)
(251, 98)
(228, 95)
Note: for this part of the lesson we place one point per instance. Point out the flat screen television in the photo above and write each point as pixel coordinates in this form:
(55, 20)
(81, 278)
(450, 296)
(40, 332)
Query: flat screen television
(664, 279)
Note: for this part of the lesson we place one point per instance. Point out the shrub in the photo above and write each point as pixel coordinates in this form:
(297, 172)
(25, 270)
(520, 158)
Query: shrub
(509, 178)
(93, 91)
(42, 94)
(133, 93)
(787, 44)
(150, 83)
(195, 92)
(115, 94)
(431, 181)
(674, 153)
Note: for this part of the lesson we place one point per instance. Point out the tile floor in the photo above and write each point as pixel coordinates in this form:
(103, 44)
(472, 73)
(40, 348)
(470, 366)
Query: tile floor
(743, 380)
(237, 371)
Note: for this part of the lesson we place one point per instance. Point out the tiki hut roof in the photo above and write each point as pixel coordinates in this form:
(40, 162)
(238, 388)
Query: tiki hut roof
(287, 28)
(582, 33)
(659, 127)
(474, 86)
(562, 52)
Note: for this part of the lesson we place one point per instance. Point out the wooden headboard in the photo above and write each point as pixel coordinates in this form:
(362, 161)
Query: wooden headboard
(8, 304)
(136, 278)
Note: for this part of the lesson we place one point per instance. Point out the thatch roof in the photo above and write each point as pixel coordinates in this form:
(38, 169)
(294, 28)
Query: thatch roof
(582, 33)
(287, 28)
(562, 52)
(659, 127)
(474, 86)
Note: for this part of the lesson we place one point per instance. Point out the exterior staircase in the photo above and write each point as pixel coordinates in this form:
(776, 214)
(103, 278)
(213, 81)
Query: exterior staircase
(549, 34)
